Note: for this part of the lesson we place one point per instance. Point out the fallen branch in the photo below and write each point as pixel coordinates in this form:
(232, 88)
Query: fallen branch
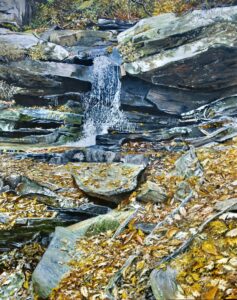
(211, 137)
(166, 220)
(131, 258)
(116, 277)
(123, 225)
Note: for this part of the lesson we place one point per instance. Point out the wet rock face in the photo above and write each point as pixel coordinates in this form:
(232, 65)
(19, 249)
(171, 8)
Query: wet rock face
(32, 126)
(109, 182)
(196, 50)
(15, 11)
(46, 77)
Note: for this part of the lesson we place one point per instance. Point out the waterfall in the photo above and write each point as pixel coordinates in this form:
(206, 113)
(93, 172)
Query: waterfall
(102, 106)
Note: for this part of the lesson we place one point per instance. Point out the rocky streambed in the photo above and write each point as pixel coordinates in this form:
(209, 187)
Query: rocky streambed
(147, 208)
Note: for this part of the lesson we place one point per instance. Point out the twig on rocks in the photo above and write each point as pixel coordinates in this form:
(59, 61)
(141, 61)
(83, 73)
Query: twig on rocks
(170, 216)
(131, 258)
(116, 277)
(124, 224)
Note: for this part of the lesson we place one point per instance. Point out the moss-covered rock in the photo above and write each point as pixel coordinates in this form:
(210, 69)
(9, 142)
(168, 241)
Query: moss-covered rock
(17, 45)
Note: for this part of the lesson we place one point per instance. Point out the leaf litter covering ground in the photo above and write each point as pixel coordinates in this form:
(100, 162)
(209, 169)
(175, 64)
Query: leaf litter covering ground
(52, 176)
(16, 268)
(207, 270)
(103, 256)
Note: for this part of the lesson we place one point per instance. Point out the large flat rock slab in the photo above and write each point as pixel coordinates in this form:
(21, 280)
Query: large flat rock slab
(44, 78)
(34, 126)
(55, 262)
(196, 50)
(107, 181)
(17, 44)
(78, 37)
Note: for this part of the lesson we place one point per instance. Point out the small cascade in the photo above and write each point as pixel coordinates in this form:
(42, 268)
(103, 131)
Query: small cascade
(102, 107)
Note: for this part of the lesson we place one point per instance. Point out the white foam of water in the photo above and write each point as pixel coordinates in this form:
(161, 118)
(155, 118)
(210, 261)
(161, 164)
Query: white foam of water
(102, 107)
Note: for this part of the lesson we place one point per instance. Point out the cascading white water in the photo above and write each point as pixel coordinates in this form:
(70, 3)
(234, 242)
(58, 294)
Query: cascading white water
(102, 107)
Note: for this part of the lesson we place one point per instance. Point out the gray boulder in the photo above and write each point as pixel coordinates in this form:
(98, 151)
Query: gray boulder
(107, 181)
(188, 165)
(224, 204)
(152, 192)
(163, 284)
(18, 39)
(17, 12)
(55, 262)
(46, 78)
(77, 37)
(13, 45)
(196, 50)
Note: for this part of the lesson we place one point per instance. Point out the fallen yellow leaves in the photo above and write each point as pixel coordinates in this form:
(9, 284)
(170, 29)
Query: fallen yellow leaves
(21, 207)
(101, 257)
(202, 264)
(218, 226)
(208, 268)
(209, 248)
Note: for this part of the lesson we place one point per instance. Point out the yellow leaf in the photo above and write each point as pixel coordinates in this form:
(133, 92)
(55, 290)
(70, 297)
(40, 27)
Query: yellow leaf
(124, 295)
(218, 227)
(209, 248)
(210, 294)
(140, 233)
(131, 225)
(26, 285)
(171, 232)
(232, 241)
(140, 265)
(195, 276)
(134, 280)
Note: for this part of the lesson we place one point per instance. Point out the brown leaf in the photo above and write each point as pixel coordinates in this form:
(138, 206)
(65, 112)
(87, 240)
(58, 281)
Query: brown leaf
(171, 232)
(210, 294)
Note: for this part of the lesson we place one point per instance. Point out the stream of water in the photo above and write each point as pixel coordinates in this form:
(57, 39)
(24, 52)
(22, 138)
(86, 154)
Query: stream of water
(102, 106)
